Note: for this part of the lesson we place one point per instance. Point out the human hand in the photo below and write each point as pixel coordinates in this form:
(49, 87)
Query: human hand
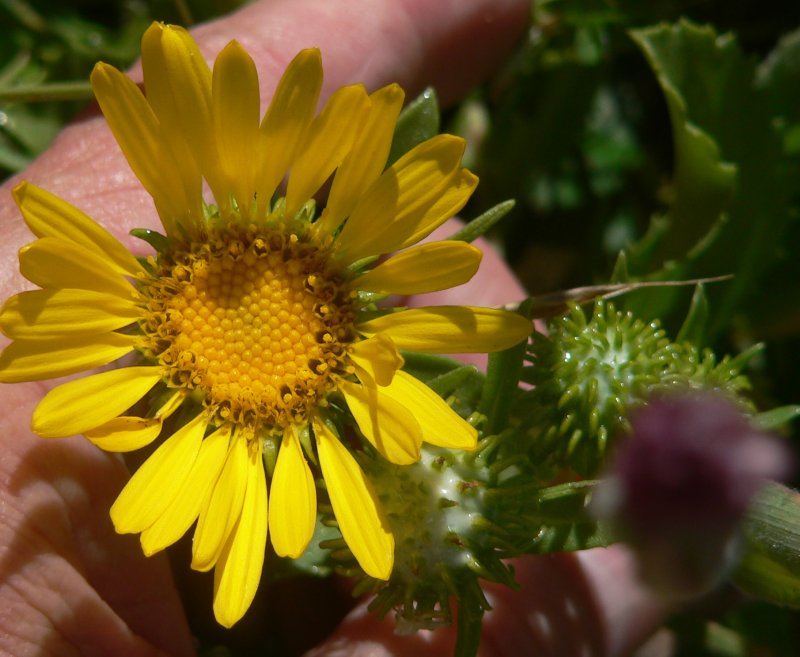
(70, 585)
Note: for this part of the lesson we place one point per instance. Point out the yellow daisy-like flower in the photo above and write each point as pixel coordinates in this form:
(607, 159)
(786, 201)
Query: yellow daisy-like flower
(254, 311)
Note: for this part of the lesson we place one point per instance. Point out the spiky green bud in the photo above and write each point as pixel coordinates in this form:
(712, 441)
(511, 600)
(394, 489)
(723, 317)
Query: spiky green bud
(589, 374)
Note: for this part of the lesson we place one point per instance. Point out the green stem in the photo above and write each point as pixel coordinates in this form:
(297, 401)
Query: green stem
(53, 91)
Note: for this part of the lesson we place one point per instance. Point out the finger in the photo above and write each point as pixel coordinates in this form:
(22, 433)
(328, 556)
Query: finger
(70, 584)
(587, 603)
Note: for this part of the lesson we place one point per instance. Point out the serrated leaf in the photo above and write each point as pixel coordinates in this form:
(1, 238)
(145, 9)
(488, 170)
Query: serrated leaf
(721, 124)
(703, 183)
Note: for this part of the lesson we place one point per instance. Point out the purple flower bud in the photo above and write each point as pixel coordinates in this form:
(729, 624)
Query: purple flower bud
(680, 484)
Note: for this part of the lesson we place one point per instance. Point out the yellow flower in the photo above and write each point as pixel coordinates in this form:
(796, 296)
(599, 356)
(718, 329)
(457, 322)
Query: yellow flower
(254, 312)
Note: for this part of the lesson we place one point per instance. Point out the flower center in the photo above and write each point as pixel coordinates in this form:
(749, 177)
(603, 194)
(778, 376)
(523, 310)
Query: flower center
(257, 321)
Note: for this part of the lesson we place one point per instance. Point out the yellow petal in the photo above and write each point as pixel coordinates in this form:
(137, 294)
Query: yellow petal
(222, 507)
(397, 202)
(293, 508)
(378, 356)
(84, 404)
(368, 157)
(52, 263)
(153, 487)
(451, 329)
(142, 140)
(423, 268)
(330, 139)
(355, 506)
(178, 83)
(418, 225)
(441, 425)
(53, 314)
(48, 359)
(128, 433)
(48, 216)
(236, 104)
(125, 433)
(284, 128)
(176, 519)
(387, 424)
(238, 572)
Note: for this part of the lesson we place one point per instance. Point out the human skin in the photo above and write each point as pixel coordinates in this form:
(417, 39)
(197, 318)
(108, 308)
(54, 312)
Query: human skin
(69, 585)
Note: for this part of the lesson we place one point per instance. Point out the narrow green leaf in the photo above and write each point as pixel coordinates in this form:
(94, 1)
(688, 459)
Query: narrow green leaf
(502, 381)
(418, 122)
(694, 326)
(777, 417)
(483, 223)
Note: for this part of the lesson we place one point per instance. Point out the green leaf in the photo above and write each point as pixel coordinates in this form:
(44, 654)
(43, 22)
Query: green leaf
(483, 223)
(703, 183)
(778, 76)
(694, 326)
(770, 566)
(418, 122)
(502, 380)
(777, 417)
(729, 198)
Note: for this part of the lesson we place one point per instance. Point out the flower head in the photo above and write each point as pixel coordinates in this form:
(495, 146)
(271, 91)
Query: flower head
(255, 311)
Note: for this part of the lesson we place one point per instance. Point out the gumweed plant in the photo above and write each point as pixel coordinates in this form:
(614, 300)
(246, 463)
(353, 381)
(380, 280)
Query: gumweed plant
(255, 350)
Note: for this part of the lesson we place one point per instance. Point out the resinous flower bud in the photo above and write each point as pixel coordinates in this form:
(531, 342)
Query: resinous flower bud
(680, 484)
(588, 373)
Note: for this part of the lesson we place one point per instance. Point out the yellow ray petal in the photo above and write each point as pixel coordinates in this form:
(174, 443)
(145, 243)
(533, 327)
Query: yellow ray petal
(378, 356)
(176, 519)
(125, 433)
(367, 158)
(128, 433)
(421, 223)
(441, 425)
(330, 139)
(154, 486)
(394, 205)
(53, 314)
(238, 572)
(222, 507)
(284, 128)
(293, 506)
(423, 268)
(178, 83)
(83, 404)
(451, 329)
(141, 138)
(52, 263)
(49, 216)
(355, 506)
(388, 425)
(48, 359)
(236, 102)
